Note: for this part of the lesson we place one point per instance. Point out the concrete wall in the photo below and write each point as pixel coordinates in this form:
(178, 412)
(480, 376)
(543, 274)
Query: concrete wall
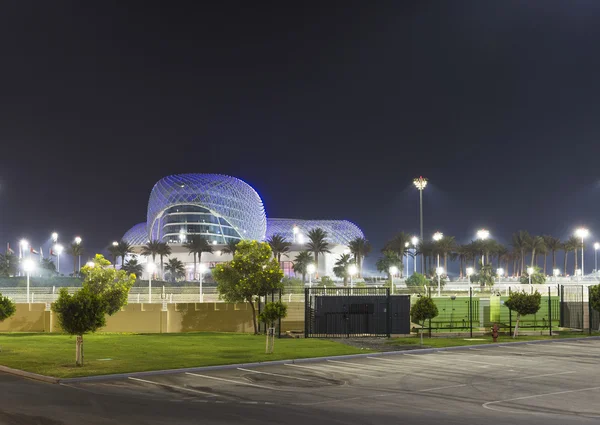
(28, 318)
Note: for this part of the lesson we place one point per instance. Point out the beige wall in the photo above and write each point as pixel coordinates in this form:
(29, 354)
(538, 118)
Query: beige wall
(28, 318)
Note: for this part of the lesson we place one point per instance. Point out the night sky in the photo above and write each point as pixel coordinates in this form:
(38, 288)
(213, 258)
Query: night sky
(328, 109)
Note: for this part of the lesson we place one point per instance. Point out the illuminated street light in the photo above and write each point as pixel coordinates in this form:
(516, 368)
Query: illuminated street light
(352, 270)
(500, 273)
(115, 243)
(202, 268)
(421, 183)
(530, 271)
(295, 230)
(300, 238)
(596, 248)
(483, 234)
(438, 236)
(393, 271)
(28, 266)
(310, 269)
(582, 233)
(556, 272)
(415, 241)
(54, 237)
(150, 268)
(439, 271)
(78, 242)
(23, 245)
(58, 249)
(469, 273)
(90, 264)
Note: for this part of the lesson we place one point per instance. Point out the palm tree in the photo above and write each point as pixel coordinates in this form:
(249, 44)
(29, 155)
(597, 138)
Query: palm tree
(175, 268)
(133, 267)
(75, 250)
(196, 245)
(389, 259)
(571, 245)
(301, 262)
(164, 250)
(230, 246)
(48, 265)
(279, 245)
(445, 246)
(463, 252)
(151, 249)
(317, 244)
(341, 267)
(360, 248)
(553, 244)
(124, 248)
(114, 253)
(535, 243)
(520, 242)
(502, 253)
(427, 249)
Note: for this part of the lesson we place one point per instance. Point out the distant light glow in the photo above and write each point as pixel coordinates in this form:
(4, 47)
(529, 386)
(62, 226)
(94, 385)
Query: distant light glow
(202, 267)
(54, 236)
(352, 269)
(311, 268)
(77, 240)
(469, 271)
(439, 271)
(530, 270)
(597, 245)
(28, 265)
(582, 233)
(393, 270)
(115, 243)
(483, 234)
(420, 183)
(295, 229)
(414, 240)
(58, 248)
(90, 264)
(24, 243)
(556, 272)
(500, 272)
(437, 236)
(300, 239)
(150, 267)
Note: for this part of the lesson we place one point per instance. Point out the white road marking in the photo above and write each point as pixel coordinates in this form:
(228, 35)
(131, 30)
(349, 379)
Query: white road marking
(354, 365)
(160, 384)
(274, 374)
(235, 382)
(344, 370)
(454, 360)
(487, 405)
(538, 376)
(441, 388)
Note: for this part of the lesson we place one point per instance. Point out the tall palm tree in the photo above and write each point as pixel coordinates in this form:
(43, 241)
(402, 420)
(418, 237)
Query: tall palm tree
(175, 268)
(520, 242)
(75, 250)
(124, 248)
(571, 245)
(535, 243)
(463, 252)
(427, 250)
(341, 267)
(151, 249)
(301, 262)
(164, 250)
(196, 245)
(318, 244)
(389, 259)
(230, 246)
(553, 244)
(114, 253)
(360, 248)
(133, 267)
(445, 246)
(279, 245)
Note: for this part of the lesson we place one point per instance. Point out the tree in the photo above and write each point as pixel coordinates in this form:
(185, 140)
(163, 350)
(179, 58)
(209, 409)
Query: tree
(424, 309)
(464, 254)
(389, 259)
(114, 253)
(416, 282)
(175, 269)
(523, 304)
(151, 249)
(484, 276)
(360, 248)
(537, 277)
(124, 248)
(571, 245)
(399, 244)
(279, 245)
(104, 291)
(445, 246)
(301, 262)
(75, 250)
(340, 269)
(520, 242)
(272, 312)
(164, 250)
(133, 267)
(9, 264)
(595, 297)
(230, 246)
(252, 273)
(196, 245)
(7, 308)
(317, 244)
(553, 244)
(535, 243)
(48, 267)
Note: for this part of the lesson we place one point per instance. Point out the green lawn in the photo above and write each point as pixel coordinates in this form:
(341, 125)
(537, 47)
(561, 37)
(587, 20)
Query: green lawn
(440, 342)
(54, 355)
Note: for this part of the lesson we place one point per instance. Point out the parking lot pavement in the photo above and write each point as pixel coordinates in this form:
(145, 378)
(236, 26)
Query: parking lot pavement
(550, 383)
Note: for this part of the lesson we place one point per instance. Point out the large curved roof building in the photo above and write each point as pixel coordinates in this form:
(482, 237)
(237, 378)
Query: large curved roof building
(222, 209)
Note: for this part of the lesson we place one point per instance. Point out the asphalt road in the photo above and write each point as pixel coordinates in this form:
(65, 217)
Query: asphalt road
(553, 383)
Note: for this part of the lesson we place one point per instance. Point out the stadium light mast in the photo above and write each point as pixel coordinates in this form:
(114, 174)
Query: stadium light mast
(438, 236)
(421, 183)
(582, 233)
(482, 235)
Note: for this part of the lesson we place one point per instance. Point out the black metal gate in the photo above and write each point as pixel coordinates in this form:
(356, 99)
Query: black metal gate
(346, 312)
(571, 307)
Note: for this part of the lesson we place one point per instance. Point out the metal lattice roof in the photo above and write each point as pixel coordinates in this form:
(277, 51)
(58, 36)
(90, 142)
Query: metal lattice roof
(339, 232)
(225, 196)
(137, 235)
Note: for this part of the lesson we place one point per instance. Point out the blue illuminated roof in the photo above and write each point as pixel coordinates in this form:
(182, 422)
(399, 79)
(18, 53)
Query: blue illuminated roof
(339, 232)
(137, 235)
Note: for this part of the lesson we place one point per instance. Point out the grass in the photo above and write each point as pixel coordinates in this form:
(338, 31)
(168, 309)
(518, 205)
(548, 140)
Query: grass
(54, 355)
(441, 342)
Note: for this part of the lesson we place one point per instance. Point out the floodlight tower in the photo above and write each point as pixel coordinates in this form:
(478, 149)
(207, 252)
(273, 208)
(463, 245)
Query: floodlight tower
(421, 183)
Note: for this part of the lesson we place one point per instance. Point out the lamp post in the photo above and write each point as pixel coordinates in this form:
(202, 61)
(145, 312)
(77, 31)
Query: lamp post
(439, 271)
(150, 268)
(352, 270)
(414, 240)
(421, 183)
(406, 248)
(438, 236)
(23, 244)
(59, 249)
(556, 272)
(596, 248)
(202, 269)
(300, 238)
(295, 230)
(582, 233)
(500, 273)
(530, 271)
(310, 269)
(483, 234)
(78, 242)
(393, 271)
(469, 273)
(28, 266)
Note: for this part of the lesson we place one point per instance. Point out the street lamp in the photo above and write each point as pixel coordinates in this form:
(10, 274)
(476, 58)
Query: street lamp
(202, 269)
(406, 247)
(415, 241)
(596, 248)
(530, 271)
(115, 243)
(393, 271)
(59, 249)
(150, 268)
(23, 244)
(300, 238)
(438, 236)
(556, 272)
(310, 269)
(421, 183)
(28, 266)
(78, 242)
(500, 273)
(54, 237)
(352, 270)
(469, 273)
(582, 233)
(483, 234)
(295, 230)
(439, 271)
(90, 264)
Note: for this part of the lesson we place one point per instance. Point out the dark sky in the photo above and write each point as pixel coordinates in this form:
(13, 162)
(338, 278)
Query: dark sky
(329, 109)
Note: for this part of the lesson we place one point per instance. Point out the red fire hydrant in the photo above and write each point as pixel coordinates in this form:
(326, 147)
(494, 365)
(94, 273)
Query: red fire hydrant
(495, 332)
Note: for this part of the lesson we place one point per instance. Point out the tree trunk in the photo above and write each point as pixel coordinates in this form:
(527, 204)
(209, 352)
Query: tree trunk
(79, 350)
(194, 278)
(316, 254)
(516, 334)
(304, 278)
(446, 263)
(545, 257)
(532, 257)
(522, 261)
(254, 316)
(575, 267)
(565, 269)
(162, 269)
(553, 261)
(345, 280)
(461, 268)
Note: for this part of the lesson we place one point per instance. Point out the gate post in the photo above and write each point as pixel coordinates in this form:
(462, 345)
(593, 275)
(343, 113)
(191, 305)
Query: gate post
(388, 313)
(549, 311)
(562, 307)
(509, 316)
(589, 312)
(306, 312)
(471, 311)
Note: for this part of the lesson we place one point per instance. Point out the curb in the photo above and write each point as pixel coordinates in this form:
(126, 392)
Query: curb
(119, 376)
